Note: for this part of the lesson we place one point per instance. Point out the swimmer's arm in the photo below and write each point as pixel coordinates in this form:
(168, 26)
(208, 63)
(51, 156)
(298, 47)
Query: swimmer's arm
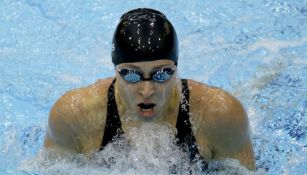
(228, 132)
(61, 134)
(77, 120)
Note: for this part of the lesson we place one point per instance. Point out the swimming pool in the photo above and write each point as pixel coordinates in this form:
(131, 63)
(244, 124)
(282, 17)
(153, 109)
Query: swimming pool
(256, 50)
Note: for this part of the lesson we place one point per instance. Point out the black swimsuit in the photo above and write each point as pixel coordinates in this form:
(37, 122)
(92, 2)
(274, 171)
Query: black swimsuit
(184, 135)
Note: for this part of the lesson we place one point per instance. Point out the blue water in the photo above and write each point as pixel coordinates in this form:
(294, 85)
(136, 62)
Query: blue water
(256, 50)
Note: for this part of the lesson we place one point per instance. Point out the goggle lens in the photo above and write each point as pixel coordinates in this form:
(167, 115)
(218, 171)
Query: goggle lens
(130, 75)
(133, 76)
(162, 75)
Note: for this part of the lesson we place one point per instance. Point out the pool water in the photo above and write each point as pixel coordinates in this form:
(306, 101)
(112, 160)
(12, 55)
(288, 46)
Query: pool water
(256, 50)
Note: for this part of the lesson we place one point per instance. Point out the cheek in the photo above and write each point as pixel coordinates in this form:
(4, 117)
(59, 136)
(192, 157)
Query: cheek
(164, 93)
(128, 92)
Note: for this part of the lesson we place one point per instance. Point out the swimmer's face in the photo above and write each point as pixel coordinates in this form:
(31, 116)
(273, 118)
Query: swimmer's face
(146, 99)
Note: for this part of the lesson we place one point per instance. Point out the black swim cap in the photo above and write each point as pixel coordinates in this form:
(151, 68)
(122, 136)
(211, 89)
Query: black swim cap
(144, 35)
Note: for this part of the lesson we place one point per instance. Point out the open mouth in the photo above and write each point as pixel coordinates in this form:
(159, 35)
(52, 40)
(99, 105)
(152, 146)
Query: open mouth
(146, 106)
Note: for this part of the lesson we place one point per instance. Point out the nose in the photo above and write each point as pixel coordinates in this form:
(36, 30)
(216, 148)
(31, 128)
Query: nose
(147, 89)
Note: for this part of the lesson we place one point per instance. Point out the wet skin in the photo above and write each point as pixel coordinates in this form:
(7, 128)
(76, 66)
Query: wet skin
(77, 120)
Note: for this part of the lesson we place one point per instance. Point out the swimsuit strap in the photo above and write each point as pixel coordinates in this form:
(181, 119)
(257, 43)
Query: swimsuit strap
(113, 126)
(186, 138)
(185, 135)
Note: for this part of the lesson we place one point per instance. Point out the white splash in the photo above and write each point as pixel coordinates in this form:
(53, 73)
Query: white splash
(150, 149)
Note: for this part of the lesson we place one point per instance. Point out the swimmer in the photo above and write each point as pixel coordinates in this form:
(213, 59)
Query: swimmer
(147, 88)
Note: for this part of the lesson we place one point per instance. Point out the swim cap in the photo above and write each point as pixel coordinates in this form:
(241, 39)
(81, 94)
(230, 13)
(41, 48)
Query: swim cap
(144, 35)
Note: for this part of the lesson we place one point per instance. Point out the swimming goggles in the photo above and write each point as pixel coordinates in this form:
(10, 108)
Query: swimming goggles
(134, 76)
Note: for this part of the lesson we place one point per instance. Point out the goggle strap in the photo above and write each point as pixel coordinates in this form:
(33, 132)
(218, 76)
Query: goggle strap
(146, 79)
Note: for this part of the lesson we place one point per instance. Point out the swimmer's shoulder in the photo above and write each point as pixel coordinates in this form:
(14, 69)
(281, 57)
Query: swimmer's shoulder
(212, 99)
(90, 97)
(206, 102)
(78, 117)
(203, 96)
(221, 124)
(219, 113)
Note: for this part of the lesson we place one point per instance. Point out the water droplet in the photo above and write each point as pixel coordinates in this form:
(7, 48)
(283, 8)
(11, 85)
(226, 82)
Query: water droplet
(113, 47)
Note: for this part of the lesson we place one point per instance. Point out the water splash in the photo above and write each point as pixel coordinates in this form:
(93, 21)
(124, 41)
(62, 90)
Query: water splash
(150, 149)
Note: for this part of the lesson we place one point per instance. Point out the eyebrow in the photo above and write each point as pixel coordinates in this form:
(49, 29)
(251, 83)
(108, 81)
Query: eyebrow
(133, 67)
(156, 67)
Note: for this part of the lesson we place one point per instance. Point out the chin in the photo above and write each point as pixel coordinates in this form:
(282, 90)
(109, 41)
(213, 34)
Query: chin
(143, 119)
(146, 118)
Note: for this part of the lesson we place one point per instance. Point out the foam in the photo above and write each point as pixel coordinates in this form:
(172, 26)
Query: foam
(150, 149)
